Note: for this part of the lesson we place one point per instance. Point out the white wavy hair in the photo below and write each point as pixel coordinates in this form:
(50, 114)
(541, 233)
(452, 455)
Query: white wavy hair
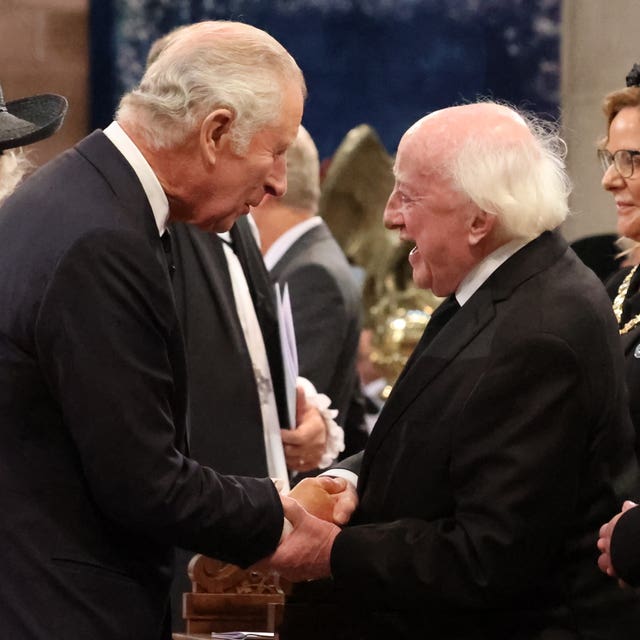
(522, 181)
(14, 164)
(303, 174)
(198, 68)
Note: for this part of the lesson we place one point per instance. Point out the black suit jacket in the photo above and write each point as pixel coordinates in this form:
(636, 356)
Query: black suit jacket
(226, 429)
(226, 422)
(325, 304)
(93, 398)
(631, 348)
(503, 447)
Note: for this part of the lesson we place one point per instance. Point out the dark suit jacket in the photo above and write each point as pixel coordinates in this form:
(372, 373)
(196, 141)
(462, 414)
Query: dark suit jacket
(94, 484)
(503, 447)
(624, 544)
(631, 348)
(226, 429)
(325, 303)
(226, 422)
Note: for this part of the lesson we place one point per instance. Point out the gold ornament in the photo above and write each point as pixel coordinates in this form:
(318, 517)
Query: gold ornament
(619, 301)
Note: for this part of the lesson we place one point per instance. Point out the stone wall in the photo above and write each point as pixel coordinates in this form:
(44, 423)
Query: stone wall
(44, 49)
(599, 46)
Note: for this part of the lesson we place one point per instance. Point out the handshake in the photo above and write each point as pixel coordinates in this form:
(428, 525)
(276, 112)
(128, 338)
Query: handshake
(315, 509)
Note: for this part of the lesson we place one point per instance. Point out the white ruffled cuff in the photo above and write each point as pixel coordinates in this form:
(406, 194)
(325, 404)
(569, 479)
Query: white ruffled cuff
(335, 434)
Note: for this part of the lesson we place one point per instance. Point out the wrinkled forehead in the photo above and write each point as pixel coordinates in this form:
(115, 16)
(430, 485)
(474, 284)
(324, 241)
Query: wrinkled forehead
(473, 119)
(422, 153)
(431, 143)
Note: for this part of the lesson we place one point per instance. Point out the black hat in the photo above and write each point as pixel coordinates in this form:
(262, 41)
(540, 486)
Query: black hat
(30, 119)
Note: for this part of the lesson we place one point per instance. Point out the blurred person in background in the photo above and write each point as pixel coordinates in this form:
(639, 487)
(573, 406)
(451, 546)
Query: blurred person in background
(23, 122)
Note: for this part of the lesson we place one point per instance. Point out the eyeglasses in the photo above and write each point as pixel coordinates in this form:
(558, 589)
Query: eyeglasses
(623, 159)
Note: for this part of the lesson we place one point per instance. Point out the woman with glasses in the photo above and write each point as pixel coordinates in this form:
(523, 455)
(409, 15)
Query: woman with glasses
(619, 154)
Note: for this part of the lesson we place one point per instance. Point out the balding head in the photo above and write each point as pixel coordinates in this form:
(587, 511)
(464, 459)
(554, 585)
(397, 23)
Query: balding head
(468, 180)
(449, 129)
(510, 165)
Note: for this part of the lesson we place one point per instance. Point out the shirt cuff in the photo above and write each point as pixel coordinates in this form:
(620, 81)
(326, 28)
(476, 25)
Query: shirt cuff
(349, 476)
(287, 528)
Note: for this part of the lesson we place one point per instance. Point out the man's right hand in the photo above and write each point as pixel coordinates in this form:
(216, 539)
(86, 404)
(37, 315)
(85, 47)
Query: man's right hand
(305, 552)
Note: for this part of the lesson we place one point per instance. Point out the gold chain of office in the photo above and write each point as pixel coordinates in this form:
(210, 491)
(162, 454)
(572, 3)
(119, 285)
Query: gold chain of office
(619, 300)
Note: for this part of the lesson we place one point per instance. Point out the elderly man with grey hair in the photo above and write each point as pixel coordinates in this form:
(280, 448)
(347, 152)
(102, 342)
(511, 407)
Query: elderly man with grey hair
(300, 252)
(506, 440)
(95, 481)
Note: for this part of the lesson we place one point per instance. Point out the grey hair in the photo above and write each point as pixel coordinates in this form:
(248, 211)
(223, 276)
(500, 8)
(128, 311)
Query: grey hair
(14, 164)
(521, 181)
(205, 66)
(303, 174)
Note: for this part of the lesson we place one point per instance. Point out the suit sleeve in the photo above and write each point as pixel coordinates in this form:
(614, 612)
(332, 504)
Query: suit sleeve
(320, 321)
(352, 463)
(106, 335)
(515, 464)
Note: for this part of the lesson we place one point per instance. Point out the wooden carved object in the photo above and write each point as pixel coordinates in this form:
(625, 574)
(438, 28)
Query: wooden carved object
(225, 597)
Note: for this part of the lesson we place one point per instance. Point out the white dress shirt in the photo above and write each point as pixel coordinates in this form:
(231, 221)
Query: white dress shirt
(276, 464)
(150, 183)
(287, 239)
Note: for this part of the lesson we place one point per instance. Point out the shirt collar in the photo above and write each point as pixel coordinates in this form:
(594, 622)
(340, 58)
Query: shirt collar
(287, 239)
(481, 272)
(150, 183)
(253, 227)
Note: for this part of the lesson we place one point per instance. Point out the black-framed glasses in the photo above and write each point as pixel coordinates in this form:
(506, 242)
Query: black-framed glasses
(623, 159)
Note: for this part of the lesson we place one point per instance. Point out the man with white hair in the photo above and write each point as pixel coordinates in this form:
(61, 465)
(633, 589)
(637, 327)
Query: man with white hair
(95, 483)
(238, 403)
(506, 440)
(300, 252)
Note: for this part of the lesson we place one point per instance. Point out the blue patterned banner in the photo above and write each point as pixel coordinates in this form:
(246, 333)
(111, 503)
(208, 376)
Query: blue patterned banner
(381, 62)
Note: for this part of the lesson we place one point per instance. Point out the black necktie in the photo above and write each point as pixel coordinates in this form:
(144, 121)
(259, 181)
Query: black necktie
(168, 252)
(443, 313)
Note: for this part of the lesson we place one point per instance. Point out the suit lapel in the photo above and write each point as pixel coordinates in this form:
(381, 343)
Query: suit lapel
(467, 323)
(262, 293)
(300, 246)
(100, 152)
(421, 371)
(255, 273)
(111, 164)
(209, 253)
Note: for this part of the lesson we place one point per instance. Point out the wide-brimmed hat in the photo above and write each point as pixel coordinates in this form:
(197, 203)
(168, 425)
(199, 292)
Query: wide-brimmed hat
(30, 119)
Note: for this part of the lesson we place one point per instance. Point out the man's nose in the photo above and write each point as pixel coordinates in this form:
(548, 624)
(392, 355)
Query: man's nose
(391, 216)
(276, 184)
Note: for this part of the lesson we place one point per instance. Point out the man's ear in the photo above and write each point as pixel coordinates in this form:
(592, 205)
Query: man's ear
(212, 131)
(480, 226)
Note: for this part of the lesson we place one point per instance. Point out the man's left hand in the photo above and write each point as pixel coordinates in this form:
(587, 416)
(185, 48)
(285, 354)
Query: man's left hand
(305, 445)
